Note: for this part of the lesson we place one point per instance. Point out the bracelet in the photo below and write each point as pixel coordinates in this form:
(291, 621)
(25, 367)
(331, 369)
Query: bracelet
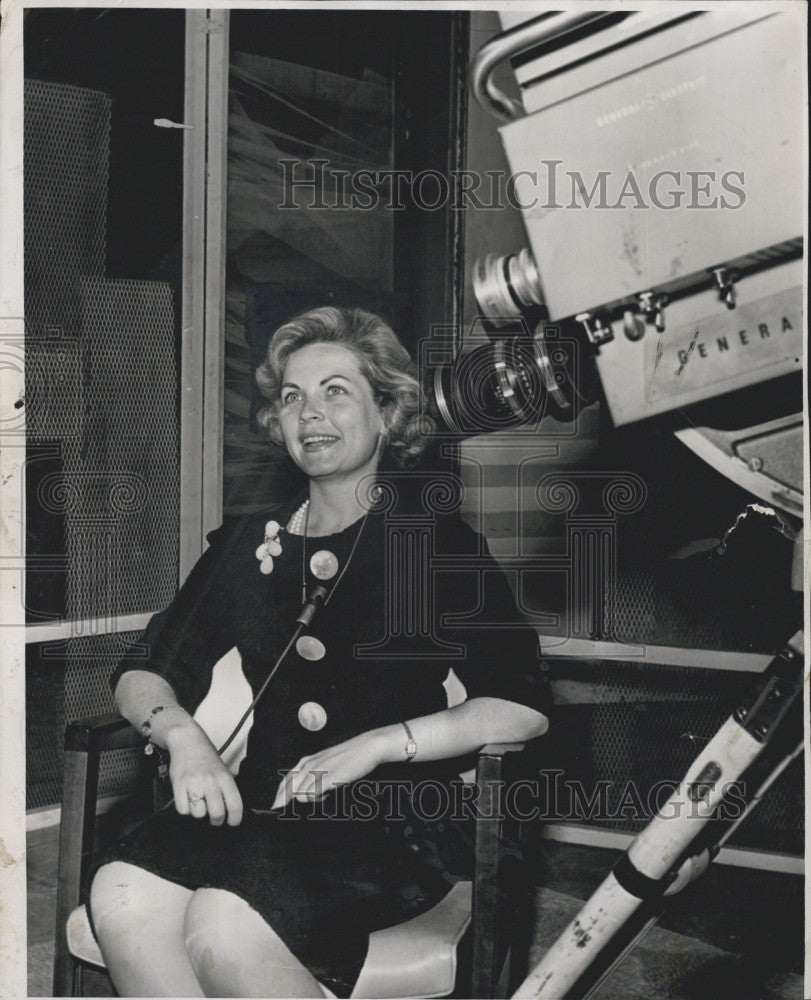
(411, 745)
(161, 757)
(146, 728)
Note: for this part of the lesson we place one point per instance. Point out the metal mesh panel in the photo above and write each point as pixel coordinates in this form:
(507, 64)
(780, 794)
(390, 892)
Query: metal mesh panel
(66, 144)
(733, 594)
(125, 545)
(662, 717)
(65, 681)
(109, 402)
(651, 721)
(646, 725)
(66, 154)
(652, 607)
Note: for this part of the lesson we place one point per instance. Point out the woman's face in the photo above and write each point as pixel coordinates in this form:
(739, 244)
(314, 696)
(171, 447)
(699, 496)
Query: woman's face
(329, 419)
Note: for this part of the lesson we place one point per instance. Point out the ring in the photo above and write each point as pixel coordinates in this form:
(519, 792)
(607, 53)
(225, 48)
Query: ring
(194, 798)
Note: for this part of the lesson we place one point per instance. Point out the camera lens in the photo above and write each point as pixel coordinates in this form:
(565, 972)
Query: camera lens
(492, 387)
(506, 285)
(514, 381)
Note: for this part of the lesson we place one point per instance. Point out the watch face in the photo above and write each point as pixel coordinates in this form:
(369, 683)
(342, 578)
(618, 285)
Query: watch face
(411, 748)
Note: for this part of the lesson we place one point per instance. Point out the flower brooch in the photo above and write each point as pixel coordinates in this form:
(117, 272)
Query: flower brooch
(269, 548)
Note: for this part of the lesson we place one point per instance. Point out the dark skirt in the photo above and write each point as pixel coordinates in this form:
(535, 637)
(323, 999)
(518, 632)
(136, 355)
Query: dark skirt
(321, 879)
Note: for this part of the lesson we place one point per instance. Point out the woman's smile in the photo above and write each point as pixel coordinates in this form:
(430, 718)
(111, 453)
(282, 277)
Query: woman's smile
(318, 442)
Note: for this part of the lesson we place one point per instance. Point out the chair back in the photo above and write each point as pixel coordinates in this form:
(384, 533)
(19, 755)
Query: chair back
(224, 705)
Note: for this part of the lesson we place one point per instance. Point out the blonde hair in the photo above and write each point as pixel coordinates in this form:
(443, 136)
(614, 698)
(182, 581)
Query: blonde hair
(384, 362)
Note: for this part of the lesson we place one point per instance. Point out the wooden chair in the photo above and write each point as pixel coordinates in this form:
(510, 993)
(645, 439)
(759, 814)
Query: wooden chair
(461, 947)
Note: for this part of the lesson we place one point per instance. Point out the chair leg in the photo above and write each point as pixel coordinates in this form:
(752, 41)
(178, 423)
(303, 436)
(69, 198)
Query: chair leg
(486, 886)
(75, 847)
(502, 986)
(78, 978)
(67, 977)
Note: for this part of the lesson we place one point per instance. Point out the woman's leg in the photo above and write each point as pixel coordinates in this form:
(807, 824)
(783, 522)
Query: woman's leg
(139, 923)
(234, 953)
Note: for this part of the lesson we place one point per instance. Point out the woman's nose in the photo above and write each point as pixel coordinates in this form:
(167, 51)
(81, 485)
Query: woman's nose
(310, 411)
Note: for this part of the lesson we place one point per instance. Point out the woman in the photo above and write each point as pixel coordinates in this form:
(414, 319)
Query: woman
(269, 885)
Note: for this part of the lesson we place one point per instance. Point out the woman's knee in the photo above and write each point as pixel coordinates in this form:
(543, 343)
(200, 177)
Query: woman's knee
(138, 919)
(212, 918)
(114, 896)
(231, 947)
(217, 932)
(125, 898)
(112, 877)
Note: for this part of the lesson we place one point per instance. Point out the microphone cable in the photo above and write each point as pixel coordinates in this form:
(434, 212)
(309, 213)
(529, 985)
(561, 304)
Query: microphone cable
(306, 614)
(316, 598)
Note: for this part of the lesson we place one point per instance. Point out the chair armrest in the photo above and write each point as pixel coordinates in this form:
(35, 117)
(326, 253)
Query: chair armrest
(501, 749)
(101, 732)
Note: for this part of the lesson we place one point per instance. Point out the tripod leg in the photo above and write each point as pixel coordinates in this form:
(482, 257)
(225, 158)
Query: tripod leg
(654, 860)
(644, 872)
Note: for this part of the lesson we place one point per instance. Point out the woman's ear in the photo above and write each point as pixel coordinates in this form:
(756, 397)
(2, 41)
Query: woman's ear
(383, 411)
(274, 431)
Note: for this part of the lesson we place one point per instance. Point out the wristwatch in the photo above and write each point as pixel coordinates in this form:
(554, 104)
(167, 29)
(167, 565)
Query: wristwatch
(411, 745)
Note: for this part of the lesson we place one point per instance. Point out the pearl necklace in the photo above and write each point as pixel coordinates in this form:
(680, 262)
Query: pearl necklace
(296, 525)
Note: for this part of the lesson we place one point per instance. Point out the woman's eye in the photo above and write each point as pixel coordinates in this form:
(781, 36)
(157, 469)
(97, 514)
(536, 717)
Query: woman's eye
(290, 397)
(335, 390)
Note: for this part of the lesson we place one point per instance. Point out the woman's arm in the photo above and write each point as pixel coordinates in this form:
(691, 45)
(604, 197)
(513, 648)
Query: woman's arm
(450, 733)
(201, 783)
(464, 728)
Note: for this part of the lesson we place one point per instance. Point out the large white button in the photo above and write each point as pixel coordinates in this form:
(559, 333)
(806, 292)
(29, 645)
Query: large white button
(324, 565)
(310, 648)
(312, 716)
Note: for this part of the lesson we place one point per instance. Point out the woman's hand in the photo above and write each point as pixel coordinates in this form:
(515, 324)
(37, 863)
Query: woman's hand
(316, 775)
(202, 784)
